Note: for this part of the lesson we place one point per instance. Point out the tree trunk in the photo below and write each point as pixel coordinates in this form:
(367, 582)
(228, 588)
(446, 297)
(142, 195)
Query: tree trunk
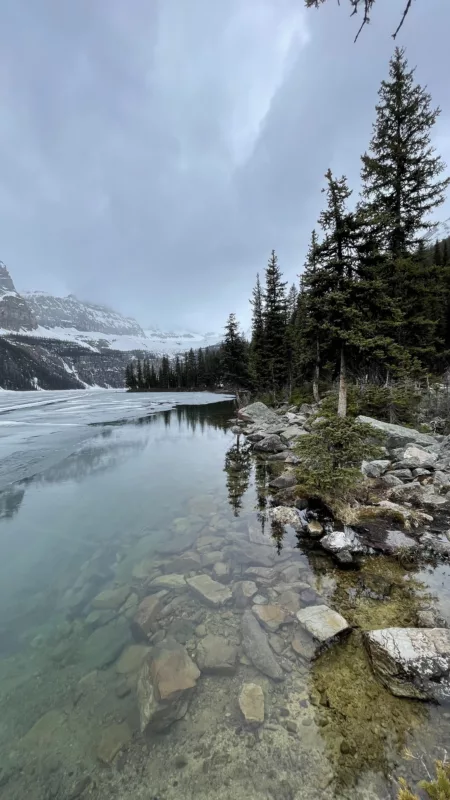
(316, 394)
(342, 403)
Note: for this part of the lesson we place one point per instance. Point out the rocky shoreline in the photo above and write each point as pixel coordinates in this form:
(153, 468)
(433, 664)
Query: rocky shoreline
(413, 483)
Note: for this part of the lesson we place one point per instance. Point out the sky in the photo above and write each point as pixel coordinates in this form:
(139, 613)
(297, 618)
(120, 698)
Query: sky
(154, 152)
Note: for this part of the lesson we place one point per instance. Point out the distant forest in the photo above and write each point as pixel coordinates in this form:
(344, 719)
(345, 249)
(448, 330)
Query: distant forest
(373, 301)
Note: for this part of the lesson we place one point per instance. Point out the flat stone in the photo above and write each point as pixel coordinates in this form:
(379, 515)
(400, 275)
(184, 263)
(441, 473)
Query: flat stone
(403, 474)
(46, 732)
(251, 703)
(257, 648)
(132, 659)
(166, 682)
(290, 600)
(211, 557)
(398, 435)
(177, 543)
(142, 626)
(412, 662)
(322, 622)
(293, 432)
(271, 617)
(187, 562)
(111, 598)
(215, 655)
(285, 515)
(244, 553)
(222, 571)
(105, 645)
(209, 591)
(303, 645)
(264, 575)
(391, 480)
(243, 591)
(172, 583)
(114, 738)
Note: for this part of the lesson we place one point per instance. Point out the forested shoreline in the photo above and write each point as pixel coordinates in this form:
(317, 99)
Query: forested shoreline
(372, 306)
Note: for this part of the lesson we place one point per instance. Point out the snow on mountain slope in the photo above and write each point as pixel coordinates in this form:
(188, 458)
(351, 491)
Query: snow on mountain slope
(71, 313)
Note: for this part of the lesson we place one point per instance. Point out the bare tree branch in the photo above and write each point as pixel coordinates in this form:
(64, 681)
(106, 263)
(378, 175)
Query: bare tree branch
(367, 5)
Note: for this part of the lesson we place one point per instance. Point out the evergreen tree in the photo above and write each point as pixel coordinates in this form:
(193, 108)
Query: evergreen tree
(234, 355)
(146, 375)
(310, 319)
(275, 320)
(139, 376)
(258, 370)
(437, 254)
(445, 254)
(130, 378)
(401, 174)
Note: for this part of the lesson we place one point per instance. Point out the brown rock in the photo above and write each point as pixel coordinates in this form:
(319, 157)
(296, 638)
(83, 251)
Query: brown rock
(165, 685)
(270, 617)
(113, 739)
(251, 703)
(142, 626)
(216, 655)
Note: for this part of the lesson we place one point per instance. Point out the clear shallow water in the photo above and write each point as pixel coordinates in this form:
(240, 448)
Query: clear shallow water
(104, 509)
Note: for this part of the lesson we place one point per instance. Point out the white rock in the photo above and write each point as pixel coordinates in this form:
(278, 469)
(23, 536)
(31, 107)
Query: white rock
(420, 455)
(286, 516)
(337, 541)
(322, 622)
(412, 662)
(374, 469)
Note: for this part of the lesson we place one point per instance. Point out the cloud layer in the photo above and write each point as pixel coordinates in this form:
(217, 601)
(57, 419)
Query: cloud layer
(153, 153)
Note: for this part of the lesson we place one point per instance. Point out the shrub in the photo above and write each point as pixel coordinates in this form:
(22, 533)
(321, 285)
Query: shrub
(399, 404)
(439, 789)
(332, 454)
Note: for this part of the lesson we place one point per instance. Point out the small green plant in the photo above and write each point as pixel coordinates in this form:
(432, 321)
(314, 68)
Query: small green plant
(439, 789)
(398, 403)
(332, 453)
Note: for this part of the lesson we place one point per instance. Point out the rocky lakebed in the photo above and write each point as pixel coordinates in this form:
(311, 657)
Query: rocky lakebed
(234, 639)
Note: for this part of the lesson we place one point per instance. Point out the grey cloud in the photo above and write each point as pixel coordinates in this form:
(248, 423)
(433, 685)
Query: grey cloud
(153, 153)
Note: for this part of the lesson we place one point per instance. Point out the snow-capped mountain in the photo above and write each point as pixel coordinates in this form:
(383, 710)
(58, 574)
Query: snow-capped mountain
(71, 313)
(63, 342)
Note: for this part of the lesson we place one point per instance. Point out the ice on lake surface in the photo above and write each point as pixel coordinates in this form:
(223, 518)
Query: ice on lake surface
(108, 499)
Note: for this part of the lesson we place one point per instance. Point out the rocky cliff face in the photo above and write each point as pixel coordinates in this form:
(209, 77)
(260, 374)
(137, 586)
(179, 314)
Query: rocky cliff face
(15, 314)
(69, 312)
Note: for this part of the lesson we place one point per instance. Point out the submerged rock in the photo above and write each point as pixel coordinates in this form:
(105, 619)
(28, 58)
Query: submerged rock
(111, 598)
(251, 703)
(105, 645)
(243, 553)
(322, 622)
(172, 583)
(412, 662)
(243, 591)
(211, 592)
(270, 616)
(257, 648)
(113, 739)
(142, 626)
(216, 655)
(166, 682)
(314, 528)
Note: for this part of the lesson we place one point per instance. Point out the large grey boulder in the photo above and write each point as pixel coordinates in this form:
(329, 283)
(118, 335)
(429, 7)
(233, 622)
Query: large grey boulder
(284, 481)
(257, 648)
(271, 444)
(374, 469)
(166, 682)
(398, 435)
(293, 432)
(258, 413)
(412, 662)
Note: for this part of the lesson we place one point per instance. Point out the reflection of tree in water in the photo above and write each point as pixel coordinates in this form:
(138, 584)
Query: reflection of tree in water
(238, 464)
(215, 415)
(11, 500)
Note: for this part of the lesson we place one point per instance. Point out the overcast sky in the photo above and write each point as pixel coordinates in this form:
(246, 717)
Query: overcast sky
(153, 152)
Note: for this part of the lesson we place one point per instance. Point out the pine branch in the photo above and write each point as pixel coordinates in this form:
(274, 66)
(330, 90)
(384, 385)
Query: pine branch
(368, 5)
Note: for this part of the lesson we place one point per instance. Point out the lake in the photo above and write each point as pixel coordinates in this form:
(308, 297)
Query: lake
(108, 499)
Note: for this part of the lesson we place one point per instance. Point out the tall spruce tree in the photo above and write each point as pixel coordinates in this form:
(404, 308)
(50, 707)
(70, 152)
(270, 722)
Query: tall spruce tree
(275, 321)
(257, 365)
(234, 354)
(401, 173)
(310, 323)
